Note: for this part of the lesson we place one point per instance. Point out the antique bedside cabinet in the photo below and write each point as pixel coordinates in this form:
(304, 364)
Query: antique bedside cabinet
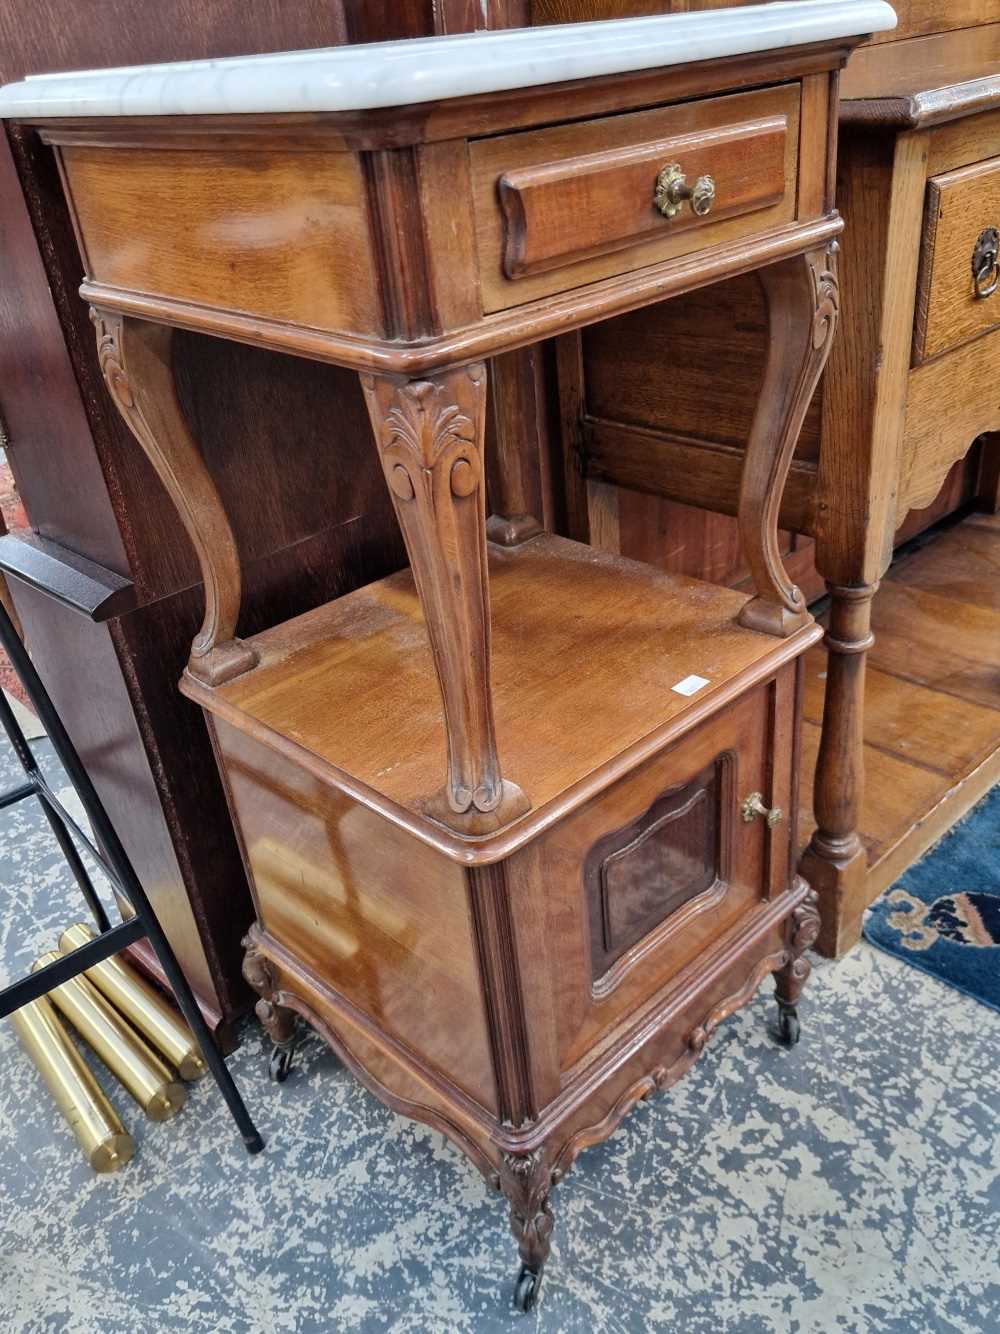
(518, 820)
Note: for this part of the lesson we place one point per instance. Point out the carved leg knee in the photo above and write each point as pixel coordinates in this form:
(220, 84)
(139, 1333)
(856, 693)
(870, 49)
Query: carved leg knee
(278, 1020)
(790, 979)
(525, 1180)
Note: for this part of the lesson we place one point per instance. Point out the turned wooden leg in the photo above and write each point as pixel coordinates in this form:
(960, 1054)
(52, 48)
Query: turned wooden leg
(526, 1180)
(803, 928)
(430, 440)
(278, 1020)
(801, 295)
(517, 444)
(135, 361)
(835, 863)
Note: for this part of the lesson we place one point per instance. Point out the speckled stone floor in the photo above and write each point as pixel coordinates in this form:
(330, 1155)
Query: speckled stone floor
(850, 1185)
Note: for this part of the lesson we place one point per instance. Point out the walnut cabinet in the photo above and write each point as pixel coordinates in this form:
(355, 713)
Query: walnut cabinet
(518, 820)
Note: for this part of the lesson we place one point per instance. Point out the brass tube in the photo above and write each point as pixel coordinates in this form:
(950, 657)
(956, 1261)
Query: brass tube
(132, 995)
(105, 1142)
(121, 1049)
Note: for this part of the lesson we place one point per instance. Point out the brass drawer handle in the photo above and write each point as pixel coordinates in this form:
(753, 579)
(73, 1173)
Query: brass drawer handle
(985, 266)
(672, 189)
(754, 805)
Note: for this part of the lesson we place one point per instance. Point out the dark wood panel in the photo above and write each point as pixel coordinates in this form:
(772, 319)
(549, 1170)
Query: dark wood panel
(39, 399)
(52, 35)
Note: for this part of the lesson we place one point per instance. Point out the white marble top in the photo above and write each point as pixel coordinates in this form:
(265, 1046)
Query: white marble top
(387, 74)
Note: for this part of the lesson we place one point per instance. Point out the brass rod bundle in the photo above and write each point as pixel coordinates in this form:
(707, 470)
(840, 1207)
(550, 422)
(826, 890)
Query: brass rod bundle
(132, 995)
(106, 1144)
(121, 1049)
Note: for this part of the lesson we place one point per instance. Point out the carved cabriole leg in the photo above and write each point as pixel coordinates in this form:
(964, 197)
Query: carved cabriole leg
(430, 440)
(801, 295)
(135, 361)
(526, 1180)
(803, 928)
(278, 1020)
(835, 863)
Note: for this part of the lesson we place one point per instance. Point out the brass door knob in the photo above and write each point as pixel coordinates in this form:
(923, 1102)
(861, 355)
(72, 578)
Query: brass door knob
(754, 805)
(672, 189)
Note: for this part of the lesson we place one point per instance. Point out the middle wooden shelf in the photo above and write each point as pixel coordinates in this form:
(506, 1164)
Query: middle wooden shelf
(597, 663)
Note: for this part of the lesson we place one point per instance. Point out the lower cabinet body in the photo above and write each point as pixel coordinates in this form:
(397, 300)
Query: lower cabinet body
(525, 1005)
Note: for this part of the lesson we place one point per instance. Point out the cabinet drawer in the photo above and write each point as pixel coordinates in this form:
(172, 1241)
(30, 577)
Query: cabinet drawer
(557, 208)
(961, 206)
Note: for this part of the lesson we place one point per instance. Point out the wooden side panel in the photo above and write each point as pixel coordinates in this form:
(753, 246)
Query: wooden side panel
(511, 156)
(377, 914)
(275, 233)
(961, 205)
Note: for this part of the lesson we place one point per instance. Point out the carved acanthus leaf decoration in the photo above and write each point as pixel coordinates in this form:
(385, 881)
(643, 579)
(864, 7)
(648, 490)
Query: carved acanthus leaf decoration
(827, 299)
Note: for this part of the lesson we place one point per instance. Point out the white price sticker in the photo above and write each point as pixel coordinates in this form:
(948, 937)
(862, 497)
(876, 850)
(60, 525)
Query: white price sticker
(690, 685)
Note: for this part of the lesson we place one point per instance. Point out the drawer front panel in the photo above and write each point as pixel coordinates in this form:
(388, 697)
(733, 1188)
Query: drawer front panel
(962, 205)
(558, 208)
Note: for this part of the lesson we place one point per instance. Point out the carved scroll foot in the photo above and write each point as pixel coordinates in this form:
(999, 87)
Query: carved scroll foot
(430, 440)
(835, 863)
(526, 1180)
(789, 980)
(278, 1020)
(801, 296)
(135, 359)
(473, 821)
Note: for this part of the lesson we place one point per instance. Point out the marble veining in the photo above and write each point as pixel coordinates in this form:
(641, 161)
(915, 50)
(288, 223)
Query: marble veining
(851, 1186)
(401, 73)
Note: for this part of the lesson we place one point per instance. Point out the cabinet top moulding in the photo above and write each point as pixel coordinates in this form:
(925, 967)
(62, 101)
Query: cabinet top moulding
(412, 72)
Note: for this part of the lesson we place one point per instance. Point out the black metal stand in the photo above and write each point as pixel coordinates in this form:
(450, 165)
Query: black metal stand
(115, 864)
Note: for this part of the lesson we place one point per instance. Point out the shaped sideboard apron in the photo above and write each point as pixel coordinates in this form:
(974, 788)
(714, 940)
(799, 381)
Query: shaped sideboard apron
(518, 820)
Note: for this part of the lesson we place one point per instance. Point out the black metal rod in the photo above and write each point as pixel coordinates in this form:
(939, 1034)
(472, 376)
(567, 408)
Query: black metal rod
(54, 974)
(14, 794)
(115, 861)
(75, 862)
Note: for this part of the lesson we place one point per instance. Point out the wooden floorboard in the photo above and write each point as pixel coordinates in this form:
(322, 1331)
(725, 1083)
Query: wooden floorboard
(932, 718)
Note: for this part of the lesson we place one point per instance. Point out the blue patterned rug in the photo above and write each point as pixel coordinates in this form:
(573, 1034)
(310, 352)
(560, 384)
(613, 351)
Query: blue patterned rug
(943, 915)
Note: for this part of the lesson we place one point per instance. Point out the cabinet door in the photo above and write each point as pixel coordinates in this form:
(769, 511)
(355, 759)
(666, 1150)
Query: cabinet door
(639, 885)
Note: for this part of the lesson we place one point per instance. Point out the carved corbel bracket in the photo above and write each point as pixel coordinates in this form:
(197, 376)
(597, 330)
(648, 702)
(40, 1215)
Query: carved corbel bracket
(802, 302)
(135, 361)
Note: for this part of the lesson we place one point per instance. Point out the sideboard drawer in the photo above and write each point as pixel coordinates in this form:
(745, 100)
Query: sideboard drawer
(962, 221)
(560, 207)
